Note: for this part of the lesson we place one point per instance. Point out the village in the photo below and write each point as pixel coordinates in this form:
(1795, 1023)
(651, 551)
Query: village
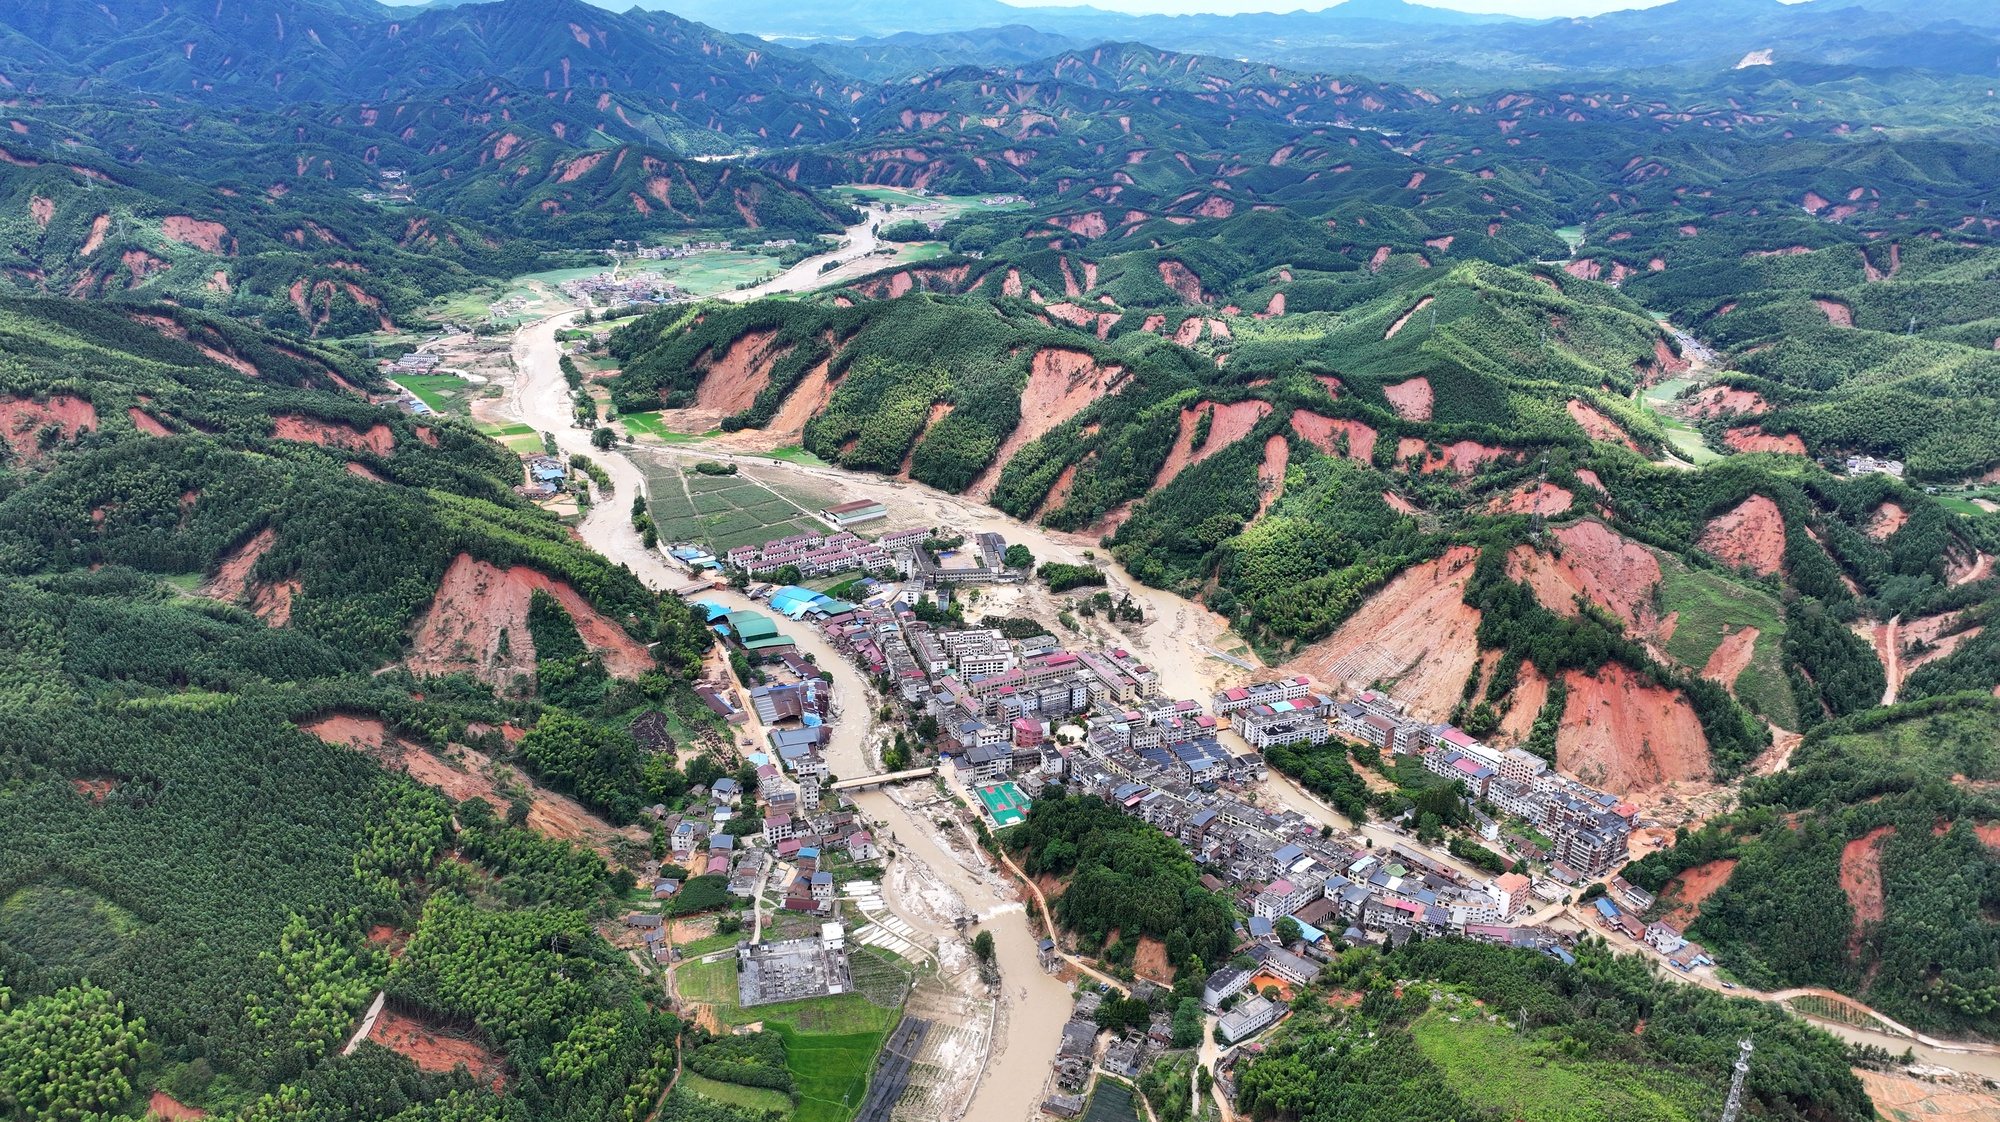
(1014, 715)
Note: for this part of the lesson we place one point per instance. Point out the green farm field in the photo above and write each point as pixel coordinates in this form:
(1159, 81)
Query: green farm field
(757, 1100)
(1519, 1078)
(1708, 607)
(723, 512)
(1686, 439)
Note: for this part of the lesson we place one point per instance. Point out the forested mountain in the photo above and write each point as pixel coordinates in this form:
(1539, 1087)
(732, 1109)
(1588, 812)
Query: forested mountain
(1393, 39)
(1520, 377)
(212, 549)
(1364, 368)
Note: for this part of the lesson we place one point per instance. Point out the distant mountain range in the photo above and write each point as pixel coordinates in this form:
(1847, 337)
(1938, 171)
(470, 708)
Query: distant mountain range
(1385, 38)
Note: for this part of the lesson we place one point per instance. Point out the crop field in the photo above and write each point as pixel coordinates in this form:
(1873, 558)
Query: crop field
(1489, 1063)
(1708, 604)
(709, 983)
(756, 1100)
(831, 1072)
(518, 438)
(711, 272)
(953, 204)
(650, 424)
(1685, 438)
(447, 394)
(1111, 1102)
(723, 512)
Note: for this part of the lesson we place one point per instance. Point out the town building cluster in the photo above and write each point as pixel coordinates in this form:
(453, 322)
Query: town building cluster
(610, 290)
(816, 554)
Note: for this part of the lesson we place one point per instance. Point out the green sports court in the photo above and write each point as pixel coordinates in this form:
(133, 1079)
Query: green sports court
(1004, 803)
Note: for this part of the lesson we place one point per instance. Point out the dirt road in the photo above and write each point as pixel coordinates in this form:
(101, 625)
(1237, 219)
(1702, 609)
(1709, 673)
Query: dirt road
(855, 258)
(1173, 638)
(1035, 1004)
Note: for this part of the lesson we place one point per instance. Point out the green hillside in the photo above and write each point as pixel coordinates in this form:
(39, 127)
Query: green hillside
(176, 851)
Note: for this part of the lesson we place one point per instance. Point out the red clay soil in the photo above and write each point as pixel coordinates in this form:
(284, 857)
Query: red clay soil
(1149, 960)
(1271, 473)
(1183, 281)
(1411, 400)
(1688, 889)
(431, 1050)
(1532, 498)
(1938, 635)
(1750, 438)
(1584, 270)
(1958, 571)
(1752, 536)
(1887, 519)
(1725, 401)
(1988, 834)
(169, 1109)
(41, 210)
(23, 419)
(1597, 426)
(1606, 569)
(173, 330)
(1153, 323)
(1621, 735)
(1398, 503)
(938, 412)
(1275, 308)
(1405, 317)
(1531, 692)
(732, 383)
(147, 423)
(470, 776)
(94, 789)
(1380, 258)
(312, 430)
(1227, 425)
(205, 236)
(1061, 382)
(807, 398)
(99, 226)
(1731, 657)
(1091, 225)
(1416, 633)
(364, 471)
(1058, 493)
(235, 582)
(1462, 457)
(1861, 879)
(1189, 332)
(1837, 313)
(478, 602)
(1325, 432)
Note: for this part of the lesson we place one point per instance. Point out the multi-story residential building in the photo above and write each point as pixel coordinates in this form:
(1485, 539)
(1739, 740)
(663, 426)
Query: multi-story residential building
(1470, 773)
(1302, 721)
(1520, 766)
(1261, 693)
(1282, 897)
(984, 763)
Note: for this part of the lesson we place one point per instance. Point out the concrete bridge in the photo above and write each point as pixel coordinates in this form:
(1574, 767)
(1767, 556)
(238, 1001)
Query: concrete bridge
(863, 782)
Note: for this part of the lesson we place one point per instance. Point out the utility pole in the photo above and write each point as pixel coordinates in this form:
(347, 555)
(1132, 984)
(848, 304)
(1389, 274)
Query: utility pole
(1734, 1106)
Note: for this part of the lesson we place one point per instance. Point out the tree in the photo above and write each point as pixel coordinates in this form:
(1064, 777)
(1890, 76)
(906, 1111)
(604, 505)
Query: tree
(603, 439)
(1018, 557)
(1187, 1023)
(1288, 931)
(982, 946)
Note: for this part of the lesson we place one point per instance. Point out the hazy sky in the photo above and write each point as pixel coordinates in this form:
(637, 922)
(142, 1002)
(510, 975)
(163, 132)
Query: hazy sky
(1530, 8)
